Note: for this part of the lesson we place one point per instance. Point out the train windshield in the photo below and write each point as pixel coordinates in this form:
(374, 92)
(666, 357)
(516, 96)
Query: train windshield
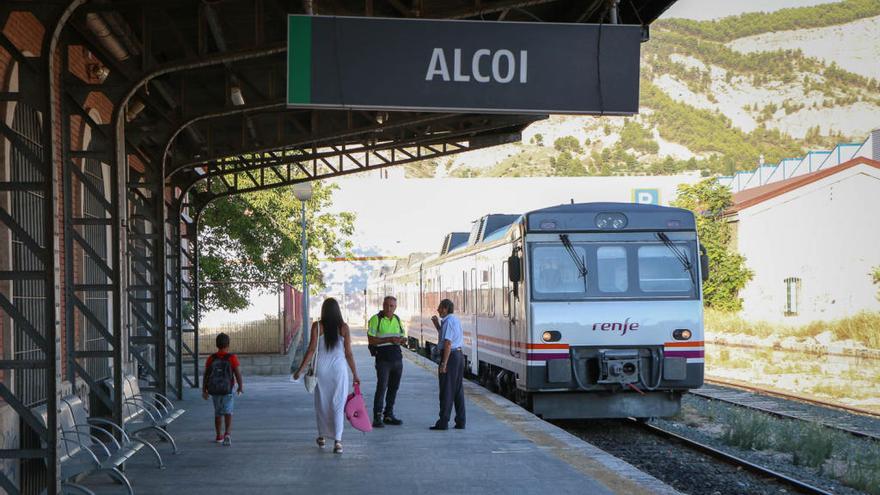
(624, 270)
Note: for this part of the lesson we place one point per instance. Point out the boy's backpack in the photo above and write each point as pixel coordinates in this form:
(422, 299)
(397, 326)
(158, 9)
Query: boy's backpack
(220, 376)
(374, 349)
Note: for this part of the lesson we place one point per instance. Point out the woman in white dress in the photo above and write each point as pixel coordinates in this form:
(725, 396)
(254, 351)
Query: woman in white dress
(332, 334)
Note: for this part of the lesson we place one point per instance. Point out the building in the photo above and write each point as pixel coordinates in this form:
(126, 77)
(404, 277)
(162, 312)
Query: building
(812, 241)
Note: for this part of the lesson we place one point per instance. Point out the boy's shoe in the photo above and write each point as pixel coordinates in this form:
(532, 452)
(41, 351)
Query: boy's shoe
(377, 421)
(227, 441)
(219, 439)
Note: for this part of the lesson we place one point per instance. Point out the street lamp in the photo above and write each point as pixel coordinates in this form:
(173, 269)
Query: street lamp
(303, 192)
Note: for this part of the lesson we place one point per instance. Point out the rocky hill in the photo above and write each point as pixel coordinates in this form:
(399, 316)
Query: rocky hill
(715, 96)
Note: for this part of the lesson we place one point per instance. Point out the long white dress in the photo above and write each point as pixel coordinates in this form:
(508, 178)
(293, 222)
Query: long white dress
(332, 389)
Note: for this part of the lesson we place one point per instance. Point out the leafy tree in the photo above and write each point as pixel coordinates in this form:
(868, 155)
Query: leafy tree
(538, 139)
(256, 236)
(567, 143)
(728, 273)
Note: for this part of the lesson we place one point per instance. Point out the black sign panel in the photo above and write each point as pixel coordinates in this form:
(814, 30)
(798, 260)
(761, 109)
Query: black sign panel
(468, 66)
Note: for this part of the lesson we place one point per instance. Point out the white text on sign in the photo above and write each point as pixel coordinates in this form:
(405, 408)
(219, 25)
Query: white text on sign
(502, 66)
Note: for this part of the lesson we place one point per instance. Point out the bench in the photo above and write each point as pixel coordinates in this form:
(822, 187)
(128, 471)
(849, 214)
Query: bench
(141, 414)
(74, 406)
(81, 454)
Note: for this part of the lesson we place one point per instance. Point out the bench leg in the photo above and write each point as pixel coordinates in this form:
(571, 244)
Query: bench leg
(117, 476)
(69, 487)
(152, 448)
(164, 435)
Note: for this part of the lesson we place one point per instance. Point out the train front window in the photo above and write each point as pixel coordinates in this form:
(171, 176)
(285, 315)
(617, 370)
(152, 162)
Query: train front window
(554, 272)
(612, 271)
(660, 269)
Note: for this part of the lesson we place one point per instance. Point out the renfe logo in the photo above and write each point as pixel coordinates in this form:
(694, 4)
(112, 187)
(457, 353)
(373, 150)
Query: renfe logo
(616, 326)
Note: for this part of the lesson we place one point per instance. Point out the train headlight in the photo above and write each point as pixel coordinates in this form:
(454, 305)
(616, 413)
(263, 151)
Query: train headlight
(551, 336)
(681, 334)
(611, 221)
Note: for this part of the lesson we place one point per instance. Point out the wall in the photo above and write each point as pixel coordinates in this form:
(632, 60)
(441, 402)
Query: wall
(826, 233)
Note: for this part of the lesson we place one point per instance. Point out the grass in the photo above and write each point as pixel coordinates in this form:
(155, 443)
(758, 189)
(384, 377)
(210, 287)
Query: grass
(863, 471)
(839, 391)
(863, 327)
(854, 462)
(748, 430)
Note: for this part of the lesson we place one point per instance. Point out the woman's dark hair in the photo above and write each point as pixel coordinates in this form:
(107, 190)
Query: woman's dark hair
(331, 320)
(450, 307)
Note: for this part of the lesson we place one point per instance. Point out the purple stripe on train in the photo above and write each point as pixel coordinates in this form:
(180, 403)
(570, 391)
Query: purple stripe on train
(684, 354)
(544, 357)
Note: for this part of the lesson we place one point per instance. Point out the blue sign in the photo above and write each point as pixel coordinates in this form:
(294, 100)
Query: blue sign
(646, 196)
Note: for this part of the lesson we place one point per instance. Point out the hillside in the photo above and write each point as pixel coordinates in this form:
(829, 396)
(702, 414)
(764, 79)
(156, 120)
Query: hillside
(714, 97)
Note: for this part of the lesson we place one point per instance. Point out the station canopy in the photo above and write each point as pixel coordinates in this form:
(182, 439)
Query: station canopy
(214, 101)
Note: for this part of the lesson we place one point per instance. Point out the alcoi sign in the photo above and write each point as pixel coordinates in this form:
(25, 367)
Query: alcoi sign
(468, 66)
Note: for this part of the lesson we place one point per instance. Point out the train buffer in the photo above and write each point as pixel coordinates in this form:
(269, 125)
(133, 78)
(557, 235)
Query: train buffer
(504, 449)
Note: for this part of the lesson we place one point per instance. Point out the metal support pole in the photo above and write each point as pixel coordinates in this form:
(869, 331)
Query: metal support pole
(305, 289)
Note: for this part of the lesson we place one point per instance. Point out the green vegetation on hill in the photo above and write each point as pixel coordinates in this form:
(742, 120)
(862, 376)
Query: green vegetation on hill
(731, 28)
(693, 53)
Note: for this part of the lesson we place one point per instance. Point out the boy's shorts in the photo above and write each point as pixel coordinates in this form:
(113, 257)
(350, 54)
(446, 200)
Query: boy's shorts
(223, 404)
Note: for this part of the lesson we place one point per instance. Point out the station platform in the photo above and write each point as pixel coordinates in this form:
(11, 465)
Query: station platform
(504, 449)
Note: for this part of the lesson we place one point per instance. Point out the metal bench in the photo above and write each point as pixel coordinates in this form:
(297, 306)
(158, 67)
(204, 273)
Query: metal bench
(161, 405)
(142, 415)
(82, 454)
(105, 429)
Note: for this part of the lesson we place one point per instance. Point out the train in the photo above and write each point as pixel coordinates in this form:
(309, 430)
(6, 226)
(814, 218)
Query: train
(575, 311)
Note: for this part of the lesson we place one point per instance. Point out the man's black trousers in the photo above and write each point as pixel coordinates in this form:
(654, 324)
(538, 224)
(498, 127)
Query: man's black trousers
(452, 390)
(388, 374)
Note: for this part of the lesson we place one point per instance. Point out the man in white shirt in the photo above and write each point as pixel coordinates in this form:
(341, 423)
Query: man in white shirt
(451, 371)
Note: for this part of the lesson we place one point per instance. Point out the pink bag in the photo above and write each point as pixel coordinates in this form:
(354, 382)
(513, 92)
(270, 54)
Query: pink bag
(356, 411)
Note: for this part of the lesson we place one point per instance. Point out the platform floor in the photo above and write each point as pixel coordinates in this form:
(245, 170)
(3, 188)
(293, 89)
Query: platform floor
(504, 449)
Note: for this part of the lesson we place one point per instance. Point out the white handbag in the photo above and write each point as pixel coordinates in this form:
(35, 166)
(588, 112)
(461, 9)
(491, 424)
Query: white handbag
(311, 378)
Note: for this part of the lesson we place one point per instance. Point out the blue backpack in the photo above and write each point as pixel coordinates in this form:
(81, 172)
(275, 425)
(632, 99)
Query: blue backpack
(220, 376)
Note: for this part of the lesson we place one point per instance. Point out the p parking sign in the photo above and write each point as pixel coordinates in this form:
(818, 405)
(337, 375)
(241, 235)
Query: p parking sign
(646, 196)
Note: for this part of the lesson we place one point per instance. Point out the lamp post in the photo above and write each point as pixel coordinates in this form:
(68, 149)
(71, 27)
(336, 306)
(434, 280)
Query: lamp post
(303, 192)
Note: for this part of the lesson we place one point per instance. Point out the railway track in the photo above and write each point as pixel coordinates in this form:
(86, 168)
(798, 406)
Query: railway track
(855, 421)
(733, 460)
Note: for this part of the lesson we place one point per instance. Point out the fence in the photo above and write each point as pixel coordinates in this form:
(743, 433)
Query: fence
(269, 335)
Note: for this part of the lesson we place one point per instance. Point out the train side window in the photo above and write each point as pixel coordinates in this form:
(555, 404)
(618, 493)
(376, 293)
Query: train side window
(484, 293)
(505, 289)
(491, 291)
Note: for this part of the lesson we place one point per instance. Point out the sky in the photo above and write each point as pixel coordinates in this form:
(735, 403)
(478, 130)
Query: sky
(714, 9)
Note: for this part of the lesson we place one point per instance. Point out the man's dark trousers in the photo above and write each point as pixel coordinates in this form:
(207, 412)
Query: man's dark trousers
(388, 372)
(452, 390)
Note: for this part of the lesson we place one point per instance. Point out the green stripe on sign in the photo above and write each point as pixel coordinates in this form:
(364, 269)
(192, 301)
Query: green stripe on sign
(299, 59)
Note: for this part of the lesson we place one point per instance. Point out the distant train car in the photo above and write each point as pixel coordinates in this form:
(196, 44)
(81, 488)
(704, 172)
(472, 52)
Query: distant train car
(590, 310)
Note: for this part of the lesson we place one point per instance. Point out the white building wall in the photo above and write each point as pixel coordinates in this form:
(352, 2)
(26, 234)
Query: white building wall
(827, 234)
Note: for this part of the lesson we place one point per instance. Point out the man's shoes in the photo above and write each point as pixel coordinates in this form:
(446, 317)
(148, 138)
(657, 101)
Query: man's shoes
(459, 426)
(377, 421)
(439, 427)
(389, 419)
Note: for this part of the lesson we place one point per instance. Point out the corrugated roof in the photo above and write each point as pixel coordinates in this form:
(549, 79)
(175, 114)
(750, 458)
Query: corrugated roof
(756, 195)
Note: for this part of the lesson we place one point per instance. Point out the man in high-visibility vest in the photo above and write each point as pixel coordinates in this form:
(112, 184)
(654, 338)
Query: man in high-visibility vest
(385, 335)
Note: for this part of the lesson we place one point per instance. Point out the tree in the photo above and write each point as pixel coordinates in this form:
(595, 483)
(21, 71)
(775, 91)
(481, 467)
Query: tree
(567, 143)
(256, 236)
(566, 165)
(728, 273)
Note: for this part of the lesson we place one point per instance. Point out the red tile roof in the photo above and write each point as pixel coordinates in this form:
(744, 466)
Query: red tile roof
(752, 196)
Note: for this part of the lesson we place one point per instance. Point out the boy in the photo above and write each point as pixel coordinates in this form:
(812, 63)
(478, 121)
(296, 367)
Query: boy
(221, 373)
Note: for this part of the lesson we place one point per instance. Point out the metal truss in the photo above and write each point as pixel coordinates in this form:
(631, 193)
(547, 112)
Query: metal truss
(30, 381)
(284, 167)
